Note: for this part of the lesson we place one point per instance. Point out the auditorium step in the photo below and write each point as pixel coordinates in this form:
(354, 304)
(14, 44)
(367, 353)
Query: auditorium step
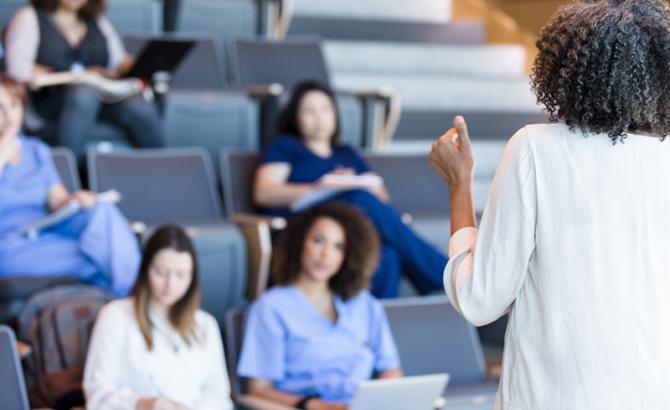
(415, 59)
(448, 92)
(414, 10)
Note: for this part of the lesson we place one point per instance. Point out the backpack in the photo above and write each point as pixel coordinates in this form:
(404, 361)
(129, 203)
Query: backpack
(57, 324)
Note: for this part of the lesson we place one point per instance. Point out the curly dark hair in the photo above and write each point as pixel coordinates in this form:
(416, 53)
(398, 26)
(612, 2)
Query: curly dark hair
(287, 120)
(361, 248)
(89, 12)
(604, 66)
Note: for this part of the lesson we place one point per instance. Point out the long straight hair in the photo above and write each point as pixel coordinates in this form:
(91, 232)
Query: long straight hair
(287, 120)
(182, 313)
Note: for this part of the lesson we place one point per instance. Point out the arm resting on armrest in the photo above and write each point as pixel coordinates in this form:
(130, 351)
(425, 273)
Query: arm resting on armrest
(257, 234)
(256, 403)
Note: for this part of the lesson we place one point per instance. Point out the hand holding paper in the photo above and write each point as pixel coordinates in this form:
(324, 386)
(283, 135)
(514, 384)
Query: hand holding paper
(70, 208)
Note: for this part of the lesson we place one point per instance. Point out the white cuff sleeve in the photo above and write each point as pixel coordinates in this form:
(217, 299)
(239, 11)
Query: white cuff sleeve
(461, 245)
(464, 239)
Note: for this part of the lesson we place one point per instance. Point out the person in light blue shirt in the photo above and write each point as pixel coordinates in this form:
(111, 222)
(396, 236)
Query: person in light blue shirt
(96, 244)
(310, 341)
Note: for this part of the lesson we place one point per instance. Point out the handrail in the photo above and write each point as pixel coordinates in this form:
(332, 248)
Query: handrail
(284, 18)
(392, 120)
(386, 121)
(264, 90)
(278, 15)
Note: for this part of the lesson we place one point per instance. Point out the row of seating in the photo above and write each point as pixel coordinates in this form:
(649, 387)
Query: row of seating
(440, 341)
(226, 17)
(180, 185)
(228, 98)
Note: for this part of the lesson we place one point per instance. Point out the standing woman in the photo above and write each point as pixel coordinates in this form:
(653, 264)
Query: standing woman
(574, 240)
(52, 36)
(156, 350)
(307, 149)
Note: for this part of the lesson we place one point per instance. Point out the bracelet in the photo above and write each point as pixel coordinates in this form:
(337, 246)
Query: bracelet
(302, 404)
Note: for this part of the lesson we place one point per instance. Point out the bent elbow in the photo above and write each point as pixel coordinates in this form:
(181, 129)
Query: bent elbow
(482, 314)
(259, 197)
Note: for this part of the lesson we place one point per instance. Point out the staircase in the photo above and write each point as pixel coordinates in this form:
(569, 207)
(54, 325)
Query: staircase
(469, 57)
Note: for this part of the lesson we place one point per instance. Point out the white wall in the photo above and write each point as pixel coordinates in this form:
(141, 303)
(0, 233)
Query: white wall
(421, 10)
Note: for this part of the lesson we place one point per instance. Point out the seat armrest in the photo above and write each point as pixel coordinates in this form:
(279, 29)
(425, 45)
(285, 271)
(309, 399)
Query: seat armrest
(380, 93)
(138, 228)
(383, 107)
(273, 90)
(257, 232)
(274, 222)
(256, 403)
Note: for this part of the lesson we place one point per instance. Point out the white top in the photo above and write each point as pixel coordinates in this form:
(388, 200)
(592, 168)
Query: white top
(23, 39)
(120, 370)
(574, 242)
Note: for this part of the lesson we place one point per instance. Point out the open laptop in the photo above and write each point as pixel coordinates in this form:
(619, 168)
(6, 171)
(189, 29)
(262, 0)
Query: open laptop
(12, 385)
(159, 54)
(404, 393)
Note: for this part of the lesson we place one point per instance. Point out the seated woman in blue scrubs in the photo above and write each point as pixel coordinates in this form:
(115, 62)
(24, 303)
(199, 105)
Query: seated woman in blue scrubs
(310, 341)
(305, 150)
(95, 244)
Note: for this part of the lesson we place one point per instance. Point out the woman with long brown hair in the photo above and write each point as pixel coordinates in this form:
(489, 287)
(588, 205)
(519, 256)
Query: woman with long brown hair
(156, 350)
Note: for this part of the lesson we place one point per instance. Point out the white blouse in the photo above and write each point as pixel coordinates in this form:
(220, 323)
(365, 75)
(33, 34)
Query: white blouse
(120, 369)
(23, 40)
(575, 244)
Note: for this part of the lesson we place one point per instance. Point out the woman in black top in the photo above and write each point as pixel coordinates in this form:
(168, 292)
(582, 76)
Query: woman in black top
(53, 36)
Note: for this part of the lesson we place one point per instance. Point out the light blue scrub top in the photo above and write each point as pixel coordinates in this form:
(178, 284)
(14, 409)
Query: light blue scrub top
(288, 342)
(96, 244)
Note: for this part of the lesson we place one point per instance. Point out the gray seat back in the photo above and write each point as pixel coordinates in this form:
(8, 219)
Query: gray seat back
(136, 15)
(237, 177)
(211, 120)
(66, 165)
(234, 337)
(201, 68)
(7, 10)
(158, 184)
(414, 187)
(433, 338)
(13, 394)
(285, 62)
(222, 19)
(222, 260)
(226, 18)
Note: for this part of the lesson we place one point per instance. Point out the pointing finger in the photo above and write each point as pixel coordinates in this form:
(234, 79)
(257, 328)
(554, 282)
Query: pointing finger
(462, 129)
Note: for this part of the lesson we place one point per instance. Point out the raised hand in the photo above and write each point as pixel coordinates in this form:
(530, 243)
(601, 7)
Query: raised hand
(451, 155)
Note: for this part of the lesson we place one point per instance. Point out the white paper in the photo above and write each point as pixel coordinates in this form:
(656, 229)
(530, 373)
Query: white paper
(335, 184)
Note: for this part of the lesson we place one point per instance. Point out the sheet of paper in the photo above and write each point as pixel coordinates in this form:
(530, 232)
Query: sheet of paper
(315, 196)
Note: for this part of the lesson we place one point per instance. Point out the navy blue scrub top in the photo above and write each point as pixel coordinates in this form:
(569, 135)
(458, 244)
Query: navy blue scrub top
(306, 166)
